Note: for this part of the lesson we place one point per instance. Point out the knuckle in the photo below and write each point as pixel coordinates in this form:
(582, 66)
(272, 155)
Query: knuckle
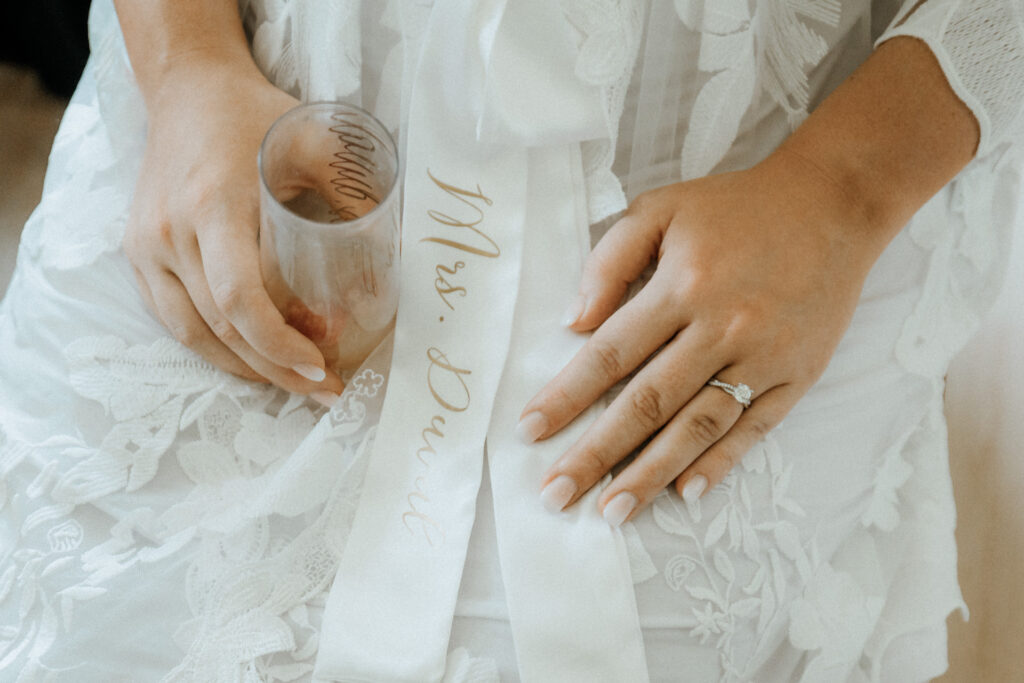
(560, 401)
(593, 463)
(704, 428)
(599, 269)
(187, 335)
(645, 403)
(680, 294)
(744, 320)
(692, 284)
(641, 200)
(165, 234)
(229, 297)
(225, 331)
(609, 360)
(200, 192)
(724, 461)
(645, 203)
(272, 347)
(757, 318)
(758, 427)
(640, 205)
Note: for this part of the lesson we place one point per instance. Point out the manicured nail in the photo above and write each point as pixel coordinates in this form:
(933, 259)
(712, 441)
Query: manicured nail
(574, 311)
(558, 492)
(310, 372)
(693, 488)
(324, 398)
(531, 427)
(619, 507)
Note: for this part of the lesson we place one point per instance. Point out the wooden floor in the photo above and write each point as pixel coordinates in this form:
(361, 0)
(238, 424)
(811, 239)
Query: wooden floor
(985, 413)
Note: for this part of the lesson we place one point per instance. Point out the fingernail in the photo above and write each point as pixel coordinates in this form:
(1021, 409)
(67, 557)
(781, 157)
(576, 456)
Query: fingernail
(574, 311)
(558, 492)
(310, 372)
(531, 427)
(324, 398)
(693, 488)
(619, 507)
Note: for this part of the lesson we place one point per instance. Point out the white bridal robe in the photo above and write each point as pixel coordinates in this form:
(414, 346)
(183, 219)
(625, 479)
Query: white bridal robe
(163, 521)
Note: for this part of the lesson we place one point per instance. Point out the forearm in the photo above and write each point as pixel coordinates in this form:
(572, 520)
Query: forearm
(161, 35)
(891, 136)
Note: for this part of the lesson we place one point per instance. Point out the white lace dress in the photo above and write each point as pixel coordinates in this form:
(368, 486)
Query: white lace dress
(161, 520)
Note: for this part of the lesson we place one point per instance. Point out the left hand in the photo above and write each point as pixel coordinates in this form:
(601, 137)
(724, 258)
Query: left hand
(758, 275)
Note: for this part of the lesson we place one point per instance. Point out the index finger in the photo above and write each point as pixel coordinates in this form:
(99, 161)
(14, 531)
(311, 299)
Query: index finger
(231, 263)
(618, 347)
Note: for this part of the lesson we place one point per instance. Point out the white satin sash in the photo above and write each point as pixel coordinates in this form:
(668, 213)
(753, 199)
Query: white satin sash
(567, 580)
(491, 82)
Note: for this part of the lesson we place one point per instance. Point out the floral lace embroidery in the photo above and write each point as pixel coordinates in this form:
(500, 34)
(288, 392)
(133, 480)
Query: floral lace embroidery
(609, 40)
(737, 565)
(739, 568)
(835, 618)
(274, 490)
(274, 485)
(152, 393)
(770, 48)
(78, 181)
(272, 503)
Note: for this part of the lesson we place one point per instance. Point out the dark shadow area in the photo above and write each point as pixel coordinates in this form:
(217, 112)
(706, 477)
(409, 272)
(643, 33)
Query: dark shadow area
(49, 36)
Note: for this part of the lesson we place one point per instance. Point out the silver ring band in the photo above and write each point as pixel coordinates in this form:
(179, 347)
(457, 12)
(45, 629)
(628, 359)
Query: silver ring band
(741, 392)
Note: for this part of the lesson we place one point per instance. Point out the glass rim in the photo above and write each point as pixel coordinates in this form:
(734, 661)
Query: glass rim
(357, 223)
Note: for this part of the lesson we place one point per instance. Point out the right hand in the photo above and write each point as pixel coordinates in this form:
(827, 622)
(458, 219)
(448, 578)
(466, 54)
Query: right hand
(194, 221)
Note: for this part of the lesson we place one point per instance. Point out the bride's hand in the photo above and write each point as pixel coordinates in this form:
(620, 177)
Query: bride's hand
(193, 226)
(758, 274)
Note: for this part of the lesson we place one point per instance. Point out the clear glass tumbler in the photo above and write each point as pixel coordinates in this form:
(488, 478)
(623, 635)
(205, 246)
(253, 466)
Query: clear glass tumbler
(329, 227)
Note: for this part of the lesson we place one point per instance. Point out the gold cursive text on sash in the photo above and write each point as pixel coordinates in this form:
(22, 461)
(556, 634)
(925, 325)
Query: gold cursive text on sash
(446, 382)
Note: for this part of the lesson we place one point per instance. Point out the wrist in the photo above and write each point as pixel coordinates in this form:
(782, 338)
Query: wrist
(853, 178)
(191, 72)
(832, 199)
(200, 78)
(883, 143)
(167, 38)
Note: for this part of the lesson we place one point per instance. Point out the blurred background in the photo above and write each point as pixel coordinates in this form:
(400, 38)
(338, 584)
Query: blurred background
(43, 48)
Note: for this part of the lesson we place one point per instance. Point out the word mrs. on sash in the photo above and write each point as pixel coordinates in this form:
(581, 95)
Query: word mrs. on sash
(445, 380)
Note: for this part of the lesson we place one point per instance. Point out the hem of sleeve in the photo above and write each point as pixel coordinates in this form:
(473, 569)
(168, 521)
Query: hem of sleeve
(953, 79)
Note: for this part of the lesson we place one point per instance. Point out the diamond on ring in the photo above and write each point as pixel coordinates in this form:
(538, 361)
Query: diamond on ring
(741, 392)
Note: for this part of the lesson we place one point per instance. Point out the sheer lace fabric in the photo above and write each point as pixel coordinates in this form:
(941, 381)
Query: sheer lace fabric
(980, 45)
(164, 521)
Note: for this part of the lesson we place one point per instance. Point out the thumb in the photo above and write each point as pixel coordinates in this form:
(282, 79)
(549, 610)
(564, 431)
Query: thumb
(617, 260)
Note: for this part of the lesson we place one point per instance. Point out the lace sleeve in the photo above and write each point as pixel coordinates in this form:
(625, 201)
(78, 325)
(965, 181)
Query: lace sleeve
(980, 47)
